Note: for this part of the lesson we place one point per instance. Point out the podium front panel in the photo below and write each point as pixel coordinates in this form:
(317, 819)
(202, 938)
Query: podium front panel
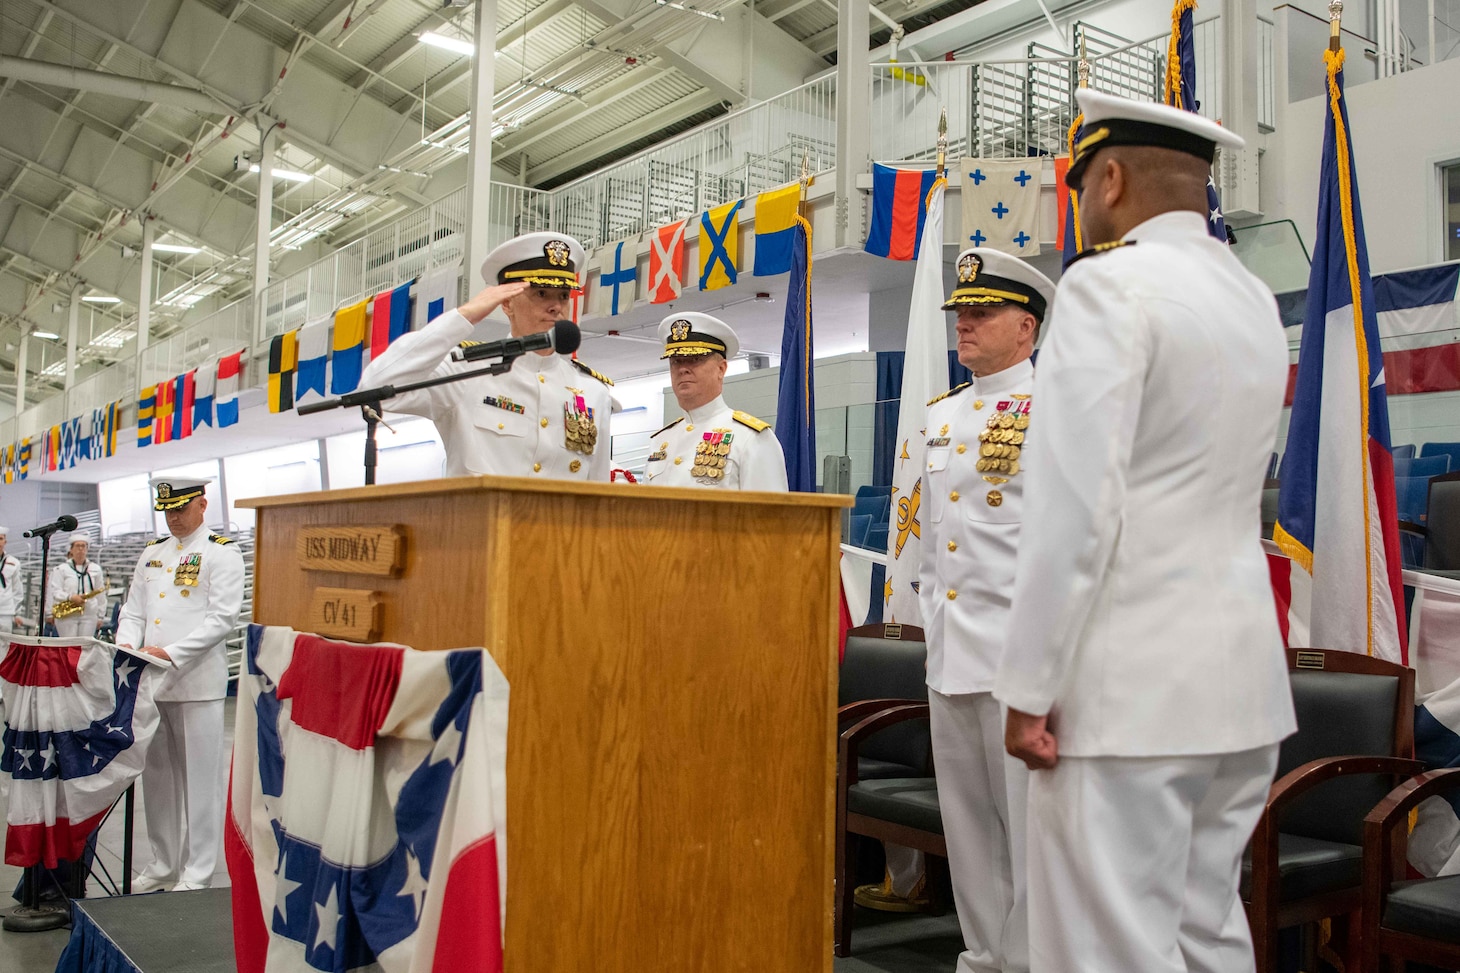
(672, 661)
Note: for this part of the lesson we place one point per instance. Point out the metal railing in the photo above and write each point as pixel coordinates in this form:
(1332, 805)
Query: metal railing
(746, 152)
(1024, 107)
(222, 332)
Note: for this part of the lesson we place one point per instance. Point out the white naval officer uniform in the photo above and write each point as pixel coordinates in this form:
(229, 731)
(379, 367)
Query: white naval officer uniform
(1142, 619)
(513, 424)
(752, 456)
(547, 416)
(9, 592)
(972, 521)
(66, 581)
(185, 597)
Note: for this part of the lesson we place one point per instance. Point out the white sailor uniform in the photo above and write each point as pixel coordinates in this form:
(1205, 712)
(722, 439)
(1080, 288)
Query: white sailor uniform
(716, 446)
(185, 598)
(547, 416)
(66, 580)
(1142, 619)
(9, 592)
(973, 505)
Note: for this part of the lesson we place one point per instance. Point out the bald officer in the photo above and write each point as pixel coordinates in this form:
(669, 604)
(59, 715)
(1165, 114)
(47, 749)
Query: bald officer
(974, 509)
(548, 415)
(186, 594)
(1145, 676)
(711, 445)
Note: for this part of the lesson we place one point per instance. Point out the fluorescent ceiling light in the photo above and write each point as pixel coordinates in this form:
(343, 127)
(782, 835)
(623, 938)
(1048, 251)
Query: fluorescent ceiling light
(453, 44)
(289, 174)
(178, 247)
(708, 14)
(101, 299)
(45, 334)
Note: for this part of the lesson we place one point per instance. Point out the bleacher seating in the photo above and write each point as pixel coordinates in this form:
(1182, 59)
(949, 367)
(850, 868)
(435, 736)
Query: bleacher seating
(875, 504)
(1425, 466)
(1451, 450)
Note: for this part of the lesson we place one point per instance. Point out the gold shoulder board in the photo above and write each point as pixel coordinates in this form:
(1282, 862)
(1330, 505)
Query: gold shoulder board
(953, 391)
(1100, 248)
(159, 540)
(467, 344)
(590, 371)
(746, 419)
(670, 426)
(217, 539)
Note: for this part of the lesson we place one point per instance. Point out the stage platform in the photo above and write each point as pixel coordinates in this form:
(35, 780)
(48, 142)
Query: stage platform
(164, 932)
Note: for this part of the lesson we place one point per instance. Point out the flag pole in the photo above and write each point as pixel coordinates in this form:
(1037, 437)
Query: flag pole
(1335, 24)
(943, 143)
(806, 180)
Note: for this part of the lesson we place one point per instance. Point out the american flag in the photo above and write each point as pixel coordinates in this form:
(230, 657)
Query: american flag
(364, 823)
(79, 715)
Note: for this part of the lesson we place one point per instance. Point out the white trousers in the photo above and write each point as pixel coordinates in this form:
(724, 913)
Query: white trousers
(182, 792)
(981, 795)
(1134, 862)
(83, 624)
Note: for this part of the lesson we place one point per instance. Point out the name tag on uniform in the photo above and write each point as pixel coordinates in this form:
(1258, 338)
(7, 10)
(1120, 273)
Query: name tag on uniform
(659, 456)
(154, 564)
(939, 443)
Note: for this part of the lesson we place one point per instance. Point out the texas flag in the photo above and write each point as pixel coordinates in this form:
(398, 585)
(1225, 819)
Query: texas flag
(1336, 508)
(364, 827)
(79, 716)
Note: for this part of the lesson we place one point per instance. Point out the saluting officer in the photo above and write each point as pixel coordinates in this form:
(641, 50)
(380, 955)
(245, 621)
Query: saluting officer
(711, 445)
(974, 509)
(187, 591)
(80, 582)
(549, 414)
(1145, 677)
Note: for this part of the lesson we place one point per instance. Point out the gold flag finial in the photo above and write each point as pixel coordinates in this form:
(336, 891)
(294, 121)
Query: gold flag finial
(805, 170)
(942, 142)
(1083, 65)
(1335, 24)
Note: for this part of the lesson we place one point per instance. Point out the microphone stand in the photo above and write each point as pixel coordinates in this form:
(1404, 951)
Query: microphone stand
(369, 401)
(31, 916)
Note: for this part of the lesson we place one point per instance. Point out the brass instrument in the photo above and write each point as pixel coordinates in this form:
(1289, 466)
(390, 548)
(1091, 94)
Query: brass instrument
(68, 608)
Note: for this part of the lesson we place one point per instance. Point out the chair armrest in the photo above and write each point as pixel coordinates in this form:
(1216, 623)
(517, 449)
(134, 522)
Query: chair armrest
(851, 738)
(1288, 788)
(1298, 781)
(1410, 527)
(1385, 849)
(858, 709)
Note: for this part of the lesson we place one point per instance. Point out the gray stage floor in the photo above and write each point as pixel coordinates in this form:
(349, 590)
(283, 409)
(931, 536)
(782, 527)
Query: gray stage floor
(884, 944)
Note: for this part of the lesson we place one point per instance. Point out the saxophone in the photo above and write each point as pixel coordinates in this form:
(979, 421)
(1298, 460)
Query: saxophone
(68, 608)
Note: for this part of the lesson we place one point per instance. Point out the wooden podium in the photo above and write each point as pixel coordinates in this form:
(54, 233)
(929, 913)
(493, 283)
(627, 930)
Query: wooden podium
(672, 658)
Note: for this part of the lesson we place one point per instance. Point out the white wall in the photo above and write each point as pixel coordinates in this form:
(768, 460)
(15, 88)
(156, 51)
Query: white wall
(1401, 129)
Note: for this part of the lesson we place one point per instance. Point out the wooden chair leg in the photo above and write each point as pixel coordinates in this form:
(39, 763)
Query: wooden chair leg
(1264, 942)
(1353, 944)
(843, 904)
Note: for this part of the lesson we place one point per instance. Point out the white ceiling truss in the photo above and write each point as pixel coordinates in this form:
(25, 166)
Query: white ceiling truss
(124, 110)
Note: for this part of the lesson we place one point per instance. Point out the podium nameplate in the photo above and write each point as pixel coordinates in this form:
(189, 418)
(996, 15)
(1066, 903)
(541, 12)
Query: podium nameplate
(352, 614)
(366, 549)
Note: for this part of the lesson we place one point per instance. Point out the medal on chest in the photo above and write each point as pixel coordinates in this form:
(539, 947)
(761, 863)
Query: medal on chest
(1002, 442)
(188, 569)
(711, 454)
(580, 428)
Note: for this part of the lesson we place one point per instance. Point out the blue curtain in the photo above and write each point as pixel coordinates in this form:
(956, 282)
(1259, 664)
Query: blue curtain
(889, 404)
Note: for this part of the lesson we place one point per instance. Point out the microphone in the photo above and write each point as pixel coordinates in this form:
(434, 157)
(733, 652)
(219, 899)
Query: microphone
(63, 522)
(564, 338)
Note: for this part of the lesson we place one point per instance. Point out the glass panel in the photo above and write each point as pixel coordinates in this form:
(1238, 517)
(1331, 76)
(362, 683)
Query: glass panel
(1275, 253)
(1451, 181)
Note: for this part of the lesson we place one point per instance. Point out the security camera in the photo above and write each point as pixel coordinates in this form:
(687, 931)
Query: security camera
(242, 161)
